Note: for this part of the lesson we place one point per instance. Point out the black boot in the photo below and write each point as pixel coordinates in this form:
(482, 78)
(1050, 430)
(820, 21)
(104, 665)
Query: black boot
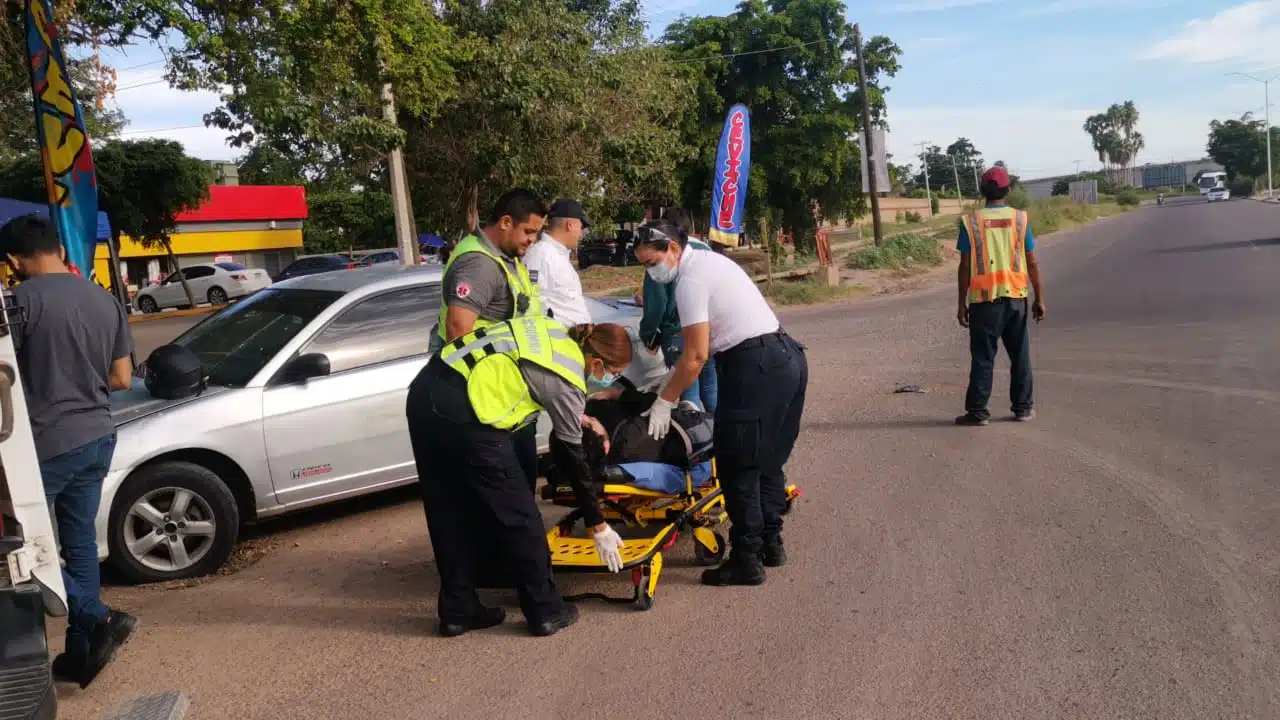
(104, 640)
(567, 616)
(739, 569)
(486, 618)
(773, 554)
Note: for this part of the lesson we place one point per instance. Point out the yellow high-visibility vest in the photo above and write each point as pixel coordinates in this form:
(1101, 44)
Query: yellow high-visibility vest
(525, 299)
(998, 256)
(489, 358)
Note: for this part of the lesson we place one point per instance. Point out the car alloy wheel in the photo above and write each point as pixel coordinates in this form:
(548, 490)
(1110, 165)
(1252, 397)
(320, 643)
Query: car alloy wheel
(217, 296)
(148, 304)
(169, 529)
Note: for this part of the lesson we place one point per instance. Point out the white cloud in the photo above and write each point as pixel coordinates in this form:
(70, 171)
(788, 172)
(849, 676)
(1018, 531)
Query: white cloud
(1244, 34)
(199, 142)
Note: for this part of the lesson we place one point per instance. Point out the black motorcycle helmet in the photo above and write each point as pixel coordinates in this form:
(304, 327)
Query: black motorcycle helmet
(173, 372)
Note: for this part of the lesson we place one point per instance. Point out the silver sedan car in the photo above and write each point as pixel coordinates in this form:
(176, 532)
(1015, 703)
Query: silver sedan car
(304, 406)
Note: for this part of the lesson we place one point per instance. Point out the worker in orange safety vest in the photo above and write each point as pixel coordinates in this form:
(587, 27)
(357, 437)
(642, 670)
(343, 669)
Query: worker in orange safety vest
(997, 267)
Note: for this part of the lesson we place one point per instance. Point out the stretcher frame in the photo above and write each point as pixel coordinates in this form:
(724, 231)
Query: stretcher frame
(664, 516)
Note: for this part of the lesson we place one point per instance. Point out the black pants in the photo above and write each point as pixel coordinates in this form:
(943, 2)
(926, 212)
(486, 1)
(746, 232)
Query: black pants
(1003, 320)
(762, 386)
(475, 487)
(526, 444)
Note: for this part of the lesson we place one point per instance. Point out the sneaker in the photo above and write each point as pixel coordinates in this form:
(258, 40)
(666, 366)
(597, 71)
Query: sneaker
(773, 555)
(1025, 416)
(972, 420)
(568, 616)
(486, 618)
(104, 640)
(747, 571)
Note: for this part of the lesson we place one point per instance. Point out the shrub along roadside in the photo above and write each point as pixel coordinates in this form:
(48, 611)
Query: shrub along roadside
(897, 253)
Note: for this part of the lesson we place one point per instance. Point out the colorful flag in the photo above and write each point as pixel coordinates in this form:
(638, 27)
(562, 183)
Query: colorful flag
(729, 183)
(64, 144)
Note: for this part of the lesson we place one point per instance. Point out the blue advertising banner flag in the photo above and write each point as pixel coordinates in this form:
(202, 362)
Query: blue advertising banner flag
(729, 183)
(64, 144)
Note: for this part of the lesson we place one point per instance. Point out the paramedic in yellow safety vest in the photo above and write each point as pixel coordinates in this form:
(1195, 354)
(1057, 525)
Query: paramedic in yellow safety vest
(464, 409)
(485, 282)
(997, 268)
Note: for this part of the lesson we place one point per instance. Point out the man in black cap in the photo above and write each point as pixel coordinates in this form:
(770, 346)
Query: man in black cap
(551, 266)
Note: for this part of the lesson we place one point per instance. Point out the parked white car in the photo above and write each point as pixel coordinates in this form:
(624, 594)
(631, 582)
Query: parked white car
(304, 406)
(215, 284)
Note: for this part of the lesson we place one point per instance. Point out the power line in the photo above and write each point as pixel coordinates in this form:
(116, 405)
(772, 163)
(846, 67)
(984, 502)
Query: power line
(141, 84)
(140, 65)
(159, 130)
(752, 52)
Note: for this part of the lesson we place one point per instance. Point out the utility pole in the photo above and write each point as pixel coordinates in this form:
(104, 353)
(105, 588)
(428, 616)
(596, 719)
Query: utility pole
(1077, 169)
(1266, 98)
(868, 147)
(959, 198)
(924, 160)
(399, 189)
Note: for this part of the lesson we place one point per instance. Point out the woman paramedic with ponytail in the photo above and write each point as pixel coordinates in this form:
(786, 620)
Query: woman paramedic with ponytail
(762, 375)
(464, 409)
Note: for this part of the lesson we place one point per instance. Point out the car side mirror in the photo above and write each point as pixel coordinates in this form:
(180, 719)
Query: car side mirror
(305, 367)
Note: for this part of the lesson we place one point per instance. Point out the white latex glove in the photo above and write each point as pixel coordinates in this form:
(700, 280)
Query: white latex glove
(659, 418)
(609, 548)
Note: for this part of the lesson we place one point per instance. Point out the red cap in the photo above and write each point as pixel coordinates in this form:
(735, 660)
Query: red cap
(996, 176)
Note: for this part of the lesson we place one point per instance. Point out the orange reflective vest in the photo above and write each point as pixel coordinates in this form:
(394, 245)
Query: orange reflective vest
(998, 254)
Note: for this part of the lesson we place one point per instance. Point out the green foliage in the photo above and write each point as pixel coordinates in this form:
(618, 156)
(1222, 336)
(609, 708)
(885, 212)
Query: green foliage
(1240, 146)
(342, 219)
(911, 216)
(808, 292)
(1242, 187)
(144, 184)
(1018, 198)
(1061, 187)
(897, 253)
(933, 205)
(97, 24)
(1128, 198)
(1114, 134)
(804, 110)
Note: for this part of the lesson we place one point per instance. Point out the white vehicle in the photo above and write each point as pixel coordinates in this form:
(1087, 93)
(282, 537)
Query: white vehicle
(1218, 193)
(304, 405)
(1212, 181)
(30, 577)
(215, 284)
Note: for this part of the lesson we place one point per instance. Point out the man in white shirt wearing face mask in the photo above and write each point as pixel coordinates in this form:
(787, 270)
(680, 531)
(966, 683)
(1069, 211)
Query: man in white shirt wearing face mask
(550, 263)
(762, 375)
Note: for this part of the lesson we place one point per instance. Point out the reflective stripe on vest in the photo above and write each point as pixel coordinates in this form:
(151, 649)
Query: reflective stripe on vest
(519, 282)
(489, 358)
(998, 256)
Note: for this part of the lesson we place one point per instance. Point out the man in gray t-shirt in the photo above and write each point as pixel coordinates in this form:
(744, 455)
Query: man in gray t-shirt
(73, 349)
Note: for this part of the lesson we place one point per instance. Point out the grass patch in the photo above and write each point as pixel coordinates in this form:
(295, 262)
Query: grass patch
(898, 253)
(605, 279)
(1059, 213)
(807, 292)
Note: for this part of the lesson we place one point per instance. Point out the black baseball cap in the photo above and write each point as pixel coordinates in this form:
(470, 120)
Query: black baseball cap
(569, 209)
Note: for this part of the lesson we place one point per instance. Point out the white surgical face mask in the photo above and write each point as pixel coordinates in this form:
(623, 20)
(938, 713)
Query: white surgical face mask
(663, 273)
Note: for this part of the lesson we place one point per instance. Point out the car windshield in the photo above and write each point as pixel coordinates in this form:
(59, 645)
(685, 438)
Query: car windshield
(234, 344)
(1208, 182)
(230, 267)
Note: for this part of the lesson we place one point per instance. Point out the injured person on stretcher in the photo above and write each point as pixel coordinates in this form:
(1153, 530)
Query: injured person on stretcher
(629, 456)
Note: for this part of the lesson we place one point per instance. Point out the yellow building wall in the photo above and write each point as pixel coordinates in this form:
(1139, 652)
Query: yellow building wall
(199, 243)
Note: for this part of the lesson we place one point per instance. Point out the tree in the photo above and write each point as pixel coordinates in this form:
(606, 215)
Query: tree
(1240, 146)
(1061, 187)
(1116, 138)
(792, 64)
(143, 185)
(95, 25)
(968, 160)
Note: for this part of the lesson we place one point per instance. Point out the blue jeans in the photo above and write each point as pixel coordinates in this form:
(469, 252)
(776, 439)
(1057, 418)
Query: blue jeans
(704, 392)
(73, 489)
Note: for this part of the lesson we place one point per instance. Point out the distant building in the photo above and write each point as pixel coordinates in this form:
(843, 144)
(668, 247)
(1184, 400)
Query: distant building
(1148, 176)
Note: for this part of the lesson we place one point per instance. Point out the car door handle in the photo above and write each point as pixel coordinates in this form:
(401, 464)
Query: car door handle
(7, 377)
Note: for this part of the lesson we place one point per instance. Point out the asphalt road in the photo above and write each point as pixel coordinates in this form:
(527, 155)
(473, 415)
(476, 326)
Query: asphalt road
(1119, 557)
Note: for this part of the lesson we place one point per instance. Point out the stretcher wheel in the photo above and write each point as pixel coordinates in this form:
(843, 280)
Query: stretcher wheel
(646, 579)
(786, 509)
(708, 546)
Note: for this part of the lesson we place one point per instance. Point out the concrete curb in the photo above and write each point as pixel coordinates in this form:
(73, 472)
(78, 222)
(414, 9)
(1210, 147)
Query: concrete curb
(162, 315)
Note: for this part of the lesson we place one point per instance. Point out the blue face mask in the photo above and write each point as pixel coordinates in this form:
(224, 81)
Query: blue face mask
(663, 273)
(603, 382)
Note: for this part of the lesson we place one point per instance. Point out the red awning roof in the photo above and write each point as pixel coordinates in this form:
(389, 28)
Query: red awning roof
(231, 203)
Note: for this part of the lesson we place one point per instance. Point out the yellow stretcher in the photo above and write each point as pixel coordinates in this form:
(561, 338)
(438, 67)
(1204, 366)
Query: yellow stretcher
(650, 523)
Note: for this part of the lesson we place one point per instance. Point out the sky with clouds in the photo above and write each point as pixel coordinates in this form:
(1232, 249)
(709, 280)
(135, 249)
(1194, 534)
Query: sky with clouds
(1016, 78)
